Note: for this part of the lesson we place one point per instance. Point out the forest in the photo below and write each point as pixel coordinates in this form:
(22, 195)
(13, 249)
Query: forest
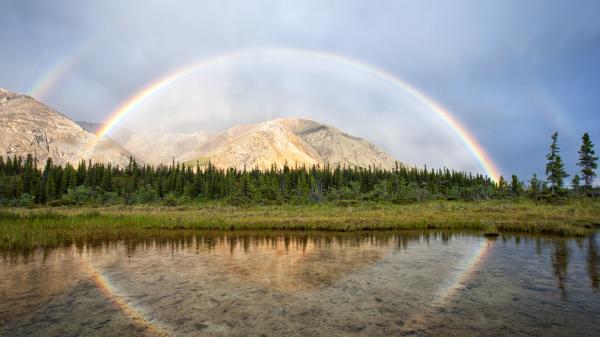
(24, 182)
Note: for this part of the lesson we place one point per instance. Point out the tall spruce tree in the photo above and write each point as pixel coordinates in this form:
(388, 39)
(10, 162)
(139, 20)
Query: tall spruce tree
(587, 161)
(555, 168)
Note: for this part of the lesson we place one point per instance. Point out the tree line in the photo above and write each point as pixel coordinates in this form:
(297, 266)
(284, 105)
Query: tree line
(23, 182)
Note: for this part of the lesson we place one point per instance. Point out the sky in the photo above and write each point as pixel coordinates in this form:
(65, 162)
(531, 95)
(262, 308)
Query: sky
(511, 72)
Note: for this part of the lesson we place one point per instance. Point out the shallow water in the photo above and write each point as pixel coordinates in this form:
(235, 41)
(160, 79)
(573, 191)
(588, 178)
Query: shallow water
(300, 284)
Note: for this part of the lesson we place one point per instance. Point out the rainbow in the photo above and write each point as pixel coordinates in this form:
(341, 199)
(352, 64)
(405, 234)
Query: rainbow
(551, 110)
(110, 293)
(45, 83)
(469, 140)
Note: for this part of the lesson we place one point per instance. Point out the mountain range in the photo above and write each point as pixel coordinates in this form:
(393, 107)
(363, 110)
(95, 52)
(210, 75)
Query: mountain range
(30, 127)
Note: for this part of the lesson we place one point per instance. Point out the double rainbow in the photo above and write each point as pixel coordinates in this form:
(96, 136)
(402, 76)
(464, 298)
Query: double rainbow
(48, 80)
(467, 138)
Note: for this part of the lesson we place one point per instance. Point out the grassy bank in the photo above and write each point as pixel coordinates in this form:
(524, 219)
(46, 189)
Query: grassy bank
(23, 227)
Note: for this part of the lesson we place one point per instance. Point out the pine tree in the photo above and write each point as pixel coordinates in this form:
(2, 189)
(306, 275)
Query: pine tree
(502, 183)
(555, 169)
(8, 166)
(516, 187)
(72, 178)
(50, 188)
(587, 161)
(107, 179)
(28, 175)
(575, 182)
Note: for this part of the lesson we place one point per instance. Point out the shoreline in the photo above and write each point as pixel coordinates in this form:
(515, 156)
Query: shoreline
(45, 226)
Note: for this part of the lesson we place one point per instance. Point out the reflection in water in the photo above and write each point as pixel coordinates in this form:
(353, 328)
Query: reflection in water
(593, 262)
(240, 283)
(560, 262)
(108, 291)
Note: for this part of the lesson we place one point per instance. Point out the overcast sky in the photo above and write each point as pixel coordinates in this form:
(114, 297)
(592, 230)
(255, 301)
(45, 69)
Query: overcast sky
(511, 71)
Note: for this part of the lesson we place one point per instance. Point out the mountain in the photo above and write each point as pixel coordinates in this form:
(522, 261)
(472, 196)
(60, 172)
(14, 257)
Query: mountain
(295, 141)
(30, 127)
(159, 148)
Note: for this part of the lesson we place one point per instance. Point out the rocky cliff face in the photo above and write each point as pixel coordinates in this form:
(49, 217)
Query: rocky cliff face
(30, 127)
(294, 141)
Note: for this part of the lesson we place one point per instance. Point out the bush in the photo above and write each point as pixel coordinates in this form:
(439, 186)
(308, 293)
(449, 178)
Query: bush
(26, 200)
(170, 199)
(78, 195)
(109, 198)
(145, 194)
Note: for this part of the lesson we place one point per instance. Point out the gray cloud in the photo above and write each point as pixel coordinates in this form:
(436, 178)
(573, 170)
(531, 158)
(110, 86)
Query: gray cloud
(480, 59)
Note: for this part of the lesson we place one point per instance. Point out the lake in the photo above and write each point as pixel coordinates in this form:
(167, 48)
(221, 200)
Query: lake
(305, 284)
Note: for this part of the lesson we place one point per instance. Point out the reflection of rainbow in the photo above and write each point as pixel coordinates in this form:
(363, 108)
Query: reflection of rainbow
(466, 137)
(105, 287)
(456, 282)
(470, 266)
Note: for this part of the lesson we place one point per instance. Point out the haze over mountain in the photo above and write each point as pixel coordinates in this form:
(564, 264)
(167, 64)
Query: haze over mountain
(30, 127)
(295, 141)
(118, 134)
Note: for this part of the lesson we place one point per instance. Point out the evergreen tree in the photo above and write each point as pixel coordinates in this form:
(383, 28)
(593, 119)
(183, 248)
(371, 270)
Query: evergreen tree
(50, 188)
(28, 175)
(575, 183)
(534, 185)
(516, 187)
(555, 169)
(107, 179)
(3, 185)
(8, 167)
(502, 187)
(587, 161)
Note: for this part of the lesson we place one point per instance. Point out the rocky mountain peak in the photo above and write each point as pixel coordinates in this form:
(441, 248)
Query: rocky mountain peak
(30, 127)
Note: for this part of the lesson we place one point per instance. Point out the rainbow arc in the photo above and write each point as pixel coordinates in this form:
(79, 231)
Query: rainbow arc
(466, 137)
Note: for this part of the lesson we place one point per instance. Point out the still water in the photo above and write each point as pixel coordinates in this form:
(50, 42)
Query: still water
(305, 284)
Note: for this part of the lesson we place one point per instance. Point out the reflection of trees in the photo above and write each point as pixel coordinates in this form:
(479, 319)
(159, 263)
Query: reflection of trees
(593, 262)
(560, 261)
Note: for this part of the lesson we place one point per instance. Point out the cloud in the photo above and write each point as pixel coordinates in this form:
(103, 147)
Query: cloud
(480, 59)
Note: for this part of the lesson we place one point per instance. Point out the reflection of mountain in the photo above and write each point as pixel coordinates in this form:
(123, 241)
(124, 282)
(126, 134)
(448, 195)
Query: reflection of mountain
(289, 265)
(249, 283)
(33, 283)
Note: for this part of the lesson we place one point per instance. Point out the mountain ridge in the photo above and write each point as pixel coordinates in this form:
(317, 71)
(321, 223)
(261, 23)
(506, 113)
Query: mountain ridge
(290, 140)
(31, 127)
(28, 126)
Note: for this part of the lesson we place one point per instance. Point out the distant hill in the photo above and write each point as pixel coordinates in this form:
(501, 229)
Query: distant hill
(295, 141)
(30, 127)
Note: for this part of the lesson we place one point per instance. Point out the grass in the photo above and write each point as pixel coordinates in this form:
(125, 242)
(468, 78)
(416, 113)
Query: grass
(28, 228)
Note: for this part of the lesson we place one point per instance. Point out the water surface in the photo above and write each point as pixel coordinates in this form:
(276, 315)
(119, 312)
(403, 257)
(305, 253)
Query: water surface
(299, 284)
